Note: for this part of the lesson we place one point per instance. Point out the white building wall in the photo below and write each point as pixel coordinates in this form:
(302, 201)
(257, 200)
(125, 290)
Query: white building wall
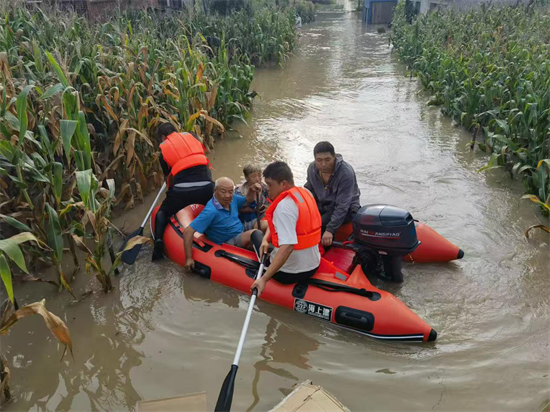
(427, 5)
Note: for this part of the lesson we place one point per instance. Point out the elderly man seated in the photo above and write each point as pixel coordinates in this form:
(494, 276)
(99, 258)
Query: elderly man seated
(219, 220)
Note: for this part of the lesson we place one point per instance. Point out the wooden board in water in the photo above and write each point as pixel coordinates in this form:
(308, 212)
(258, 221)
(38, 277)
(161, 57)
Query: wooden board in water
(310, 398)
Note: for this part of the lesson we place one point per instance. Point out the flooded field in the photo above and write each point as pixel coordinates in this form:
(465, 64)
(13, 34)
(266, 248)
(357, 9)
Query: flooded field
(164, 332)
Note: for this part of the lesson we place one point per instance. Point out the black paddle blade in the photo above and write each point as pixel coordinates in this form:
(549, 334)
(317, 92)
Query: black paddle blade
(130, 256)
(226, 394)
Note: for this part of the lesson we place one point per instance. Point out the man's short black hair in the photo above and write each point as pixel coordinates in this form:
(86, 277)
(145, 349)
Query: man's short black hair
(165, 130)
(323, 147)
(279, 171)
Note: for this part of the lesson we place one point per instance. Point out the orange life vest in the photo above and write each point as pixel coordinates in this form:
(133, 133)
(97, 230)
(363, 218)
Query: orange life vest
(182, 151)
(308, 226)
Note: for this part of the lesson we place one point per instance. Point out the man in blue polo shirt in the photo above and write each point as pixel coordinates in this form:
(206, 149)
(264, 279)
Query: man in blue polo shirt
(219, 220)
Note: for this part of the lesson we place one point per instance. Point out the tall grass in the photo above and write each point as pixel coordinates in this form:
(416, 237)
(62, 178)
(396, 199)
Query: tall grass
(489, 69)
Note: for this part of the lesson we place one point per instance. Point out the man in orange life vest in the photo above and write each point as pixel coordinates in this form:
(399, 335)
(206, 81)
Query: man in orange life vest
(188, 176)
(294, 229)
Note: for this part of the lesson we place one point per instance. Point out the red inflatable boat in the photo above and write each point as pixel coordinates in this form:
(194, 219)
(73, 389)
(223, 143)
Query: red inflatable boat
(339, 292)
(433, 247)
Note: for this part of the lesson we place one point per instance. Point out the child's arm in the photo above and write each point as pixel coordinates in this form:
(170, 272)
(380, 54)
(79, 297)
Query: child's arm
(247, 209)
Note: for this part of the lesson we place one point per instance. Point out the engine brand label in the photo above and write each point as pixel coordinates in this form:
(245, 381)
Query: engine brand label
(313, 309)
(388, 235)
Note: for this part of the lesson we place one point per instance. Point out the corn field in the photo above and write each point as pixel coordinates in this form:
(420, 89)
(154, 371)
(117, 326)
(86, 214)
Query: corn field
(306, 10)
(489, 69)
(269, 37)
(79, 104)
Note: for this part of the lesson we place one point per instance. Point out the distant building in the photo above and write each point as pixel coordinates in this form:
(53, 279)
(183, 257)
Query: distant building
(381, 11)
(378, 11)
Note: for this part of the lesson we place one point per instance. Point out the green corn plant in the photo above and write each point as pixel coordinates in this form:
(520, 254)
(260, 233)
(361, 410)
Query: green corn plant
(10, 251)
(489, 69)
(79, 103)
(101, 231)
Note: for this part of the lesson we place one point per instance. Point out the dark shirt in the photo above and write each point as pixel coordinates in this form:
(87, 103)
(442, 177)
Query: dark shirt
(340, 196)
(200, 173)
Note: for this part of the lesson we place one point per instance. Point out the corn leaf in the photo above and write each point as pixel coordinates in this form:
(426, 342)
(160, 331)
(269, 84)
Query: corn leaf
(11, 248)
(84, 140)
(52, 91)
(80, 244)
(45, 139)
(55, 235)
(64, 282)
(68, 128)
(15, 223)
(4, 96)
(541, 227)
(111, 185)
(7, 150)
(57, 68)
(56, 326)
(58, 180)
(13, 121)
(25, 237)
(537, 201)
(84, 183)
(70, 103)
(22, 113)
(5, 272)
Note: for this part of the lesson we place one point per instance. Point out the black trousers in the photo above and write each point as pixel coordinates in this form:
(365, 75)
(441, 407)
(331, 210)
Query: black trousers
(281, 277)
(176, 199)
(289, 278)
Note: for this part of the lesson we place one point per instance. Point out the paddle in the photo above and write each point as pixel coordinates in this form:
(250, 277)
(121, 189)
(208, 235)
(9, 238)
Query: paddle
(226, 393)
(259, 211)
(257, 206)
(130, 256)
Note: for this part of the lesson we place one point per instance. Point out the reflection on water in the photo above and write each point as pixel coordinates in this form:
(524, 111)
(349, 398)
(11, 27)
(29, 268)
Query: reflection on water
(106, 341)
(164, 333)
(196, 291)
(280, 347)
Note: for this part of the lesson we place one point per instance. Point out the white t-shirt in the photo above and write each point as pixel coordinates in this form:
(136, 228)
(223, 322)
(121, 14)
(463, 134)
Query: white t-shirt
(285, 218)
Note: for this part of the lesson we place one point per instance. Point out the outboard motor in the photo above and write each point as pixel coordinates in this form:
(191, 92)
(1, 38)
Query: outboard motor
(384, 234)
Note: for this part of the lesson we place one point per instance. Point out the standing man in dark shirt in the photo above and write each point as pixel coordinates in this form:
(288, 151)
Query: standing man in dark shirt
(188, 177)
(334, 185)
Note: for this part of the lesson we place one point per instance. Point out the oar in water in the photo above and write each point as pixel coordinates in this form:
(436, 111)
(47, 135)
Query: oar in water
(226, 393)
(130, 256)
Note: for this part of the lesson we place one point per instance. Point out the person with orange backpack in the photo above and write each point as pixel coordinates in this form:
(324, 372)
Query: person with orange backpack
(188, 177)
(294, 229)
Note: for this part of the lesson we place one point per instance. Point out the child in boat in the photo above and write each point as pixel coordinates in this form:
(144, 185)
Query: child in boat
(252, 174)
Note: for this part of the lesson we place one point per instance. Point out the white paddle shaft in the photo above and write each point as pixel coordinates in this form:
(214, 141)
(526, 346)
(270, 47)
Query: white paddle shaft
(161, 191)
(247, 320)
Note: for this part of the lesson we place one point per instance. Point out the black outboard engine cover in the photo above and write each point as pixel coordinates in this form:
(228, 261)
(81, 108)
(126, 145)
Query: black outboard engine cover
(388, 230)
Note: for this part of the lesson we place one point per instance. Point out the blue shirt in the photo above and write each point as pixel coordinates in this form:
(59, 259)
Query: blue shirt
(218, 223)
(242, 190)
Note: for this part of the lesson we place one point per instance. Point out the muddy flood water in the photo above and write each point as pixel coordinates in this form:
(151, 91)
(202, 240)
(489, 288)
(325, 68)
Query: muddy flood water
(164, 332)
